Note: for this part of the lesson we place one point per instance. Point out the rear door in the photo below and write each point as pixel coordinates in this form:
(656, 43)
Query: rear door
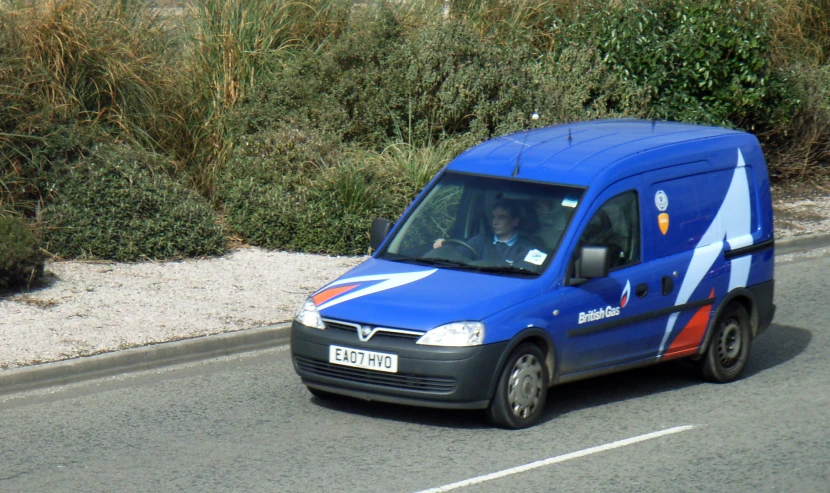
(690, 224)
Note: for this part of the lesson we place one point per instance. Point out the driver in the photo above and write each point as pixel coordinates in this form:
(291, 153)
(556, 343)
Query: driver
(505, 245)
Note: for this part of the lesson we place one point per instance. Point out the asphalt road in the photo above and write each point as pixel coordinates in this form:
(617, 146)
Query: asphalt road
(245, 423)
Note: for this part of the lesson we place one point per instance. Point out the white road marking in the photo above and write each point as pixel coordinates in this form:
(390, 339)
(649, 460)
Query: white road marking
(559, 458)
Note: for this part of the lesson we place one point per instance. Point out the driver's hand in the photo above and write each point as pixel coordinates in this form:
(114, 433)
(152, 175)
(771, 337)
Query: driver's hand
(438, 243)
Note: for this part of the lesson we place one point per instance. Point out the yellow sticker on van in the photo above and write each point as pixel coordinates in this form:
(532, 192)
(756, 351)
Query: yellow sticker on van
(663, 222)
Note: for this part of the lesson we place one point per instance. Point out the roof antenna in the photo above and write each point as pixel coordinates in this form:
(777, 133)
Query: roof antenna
(533, 117)
(570, 139)
(653, 123)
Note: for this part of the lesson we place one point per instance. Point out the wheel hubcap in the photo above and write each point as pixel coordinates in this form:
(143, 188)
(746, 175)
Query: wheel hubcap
(729, 343)
(524, 389)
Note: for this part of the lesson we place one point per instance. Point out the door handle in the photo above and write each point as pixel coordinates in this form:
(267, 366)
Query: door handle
(667, 285)
(642, 290)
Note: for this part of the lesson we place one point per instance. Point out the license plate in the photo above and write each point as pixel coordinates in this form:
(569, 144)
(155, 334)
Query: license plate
(358, 358)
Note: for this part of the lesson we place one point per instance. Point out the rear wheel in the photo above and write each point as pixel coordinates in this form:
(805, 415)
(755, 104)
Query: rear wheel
(728, 350)
(522, 389)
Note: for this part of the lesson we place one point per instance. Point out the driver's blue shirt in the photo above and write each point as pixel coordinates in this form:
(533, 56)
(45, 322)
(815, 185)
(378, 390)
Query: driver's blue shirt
(510, 242)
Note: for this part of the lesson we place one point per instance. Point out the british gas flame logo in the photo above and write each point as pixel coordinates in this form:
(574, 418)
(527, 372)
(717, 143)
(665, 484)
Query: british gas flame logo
(355, 287)
(626, 294)
(609, 311)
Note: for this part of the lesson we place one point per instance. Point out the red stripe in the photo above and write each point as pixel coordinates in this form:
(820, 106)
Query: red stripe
(689, 339)
(324, 296)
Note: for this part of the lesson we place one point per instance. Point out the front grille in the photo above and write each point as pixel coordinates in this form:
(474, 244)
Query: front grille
(392, 380)
(381, 331)
(332, 324)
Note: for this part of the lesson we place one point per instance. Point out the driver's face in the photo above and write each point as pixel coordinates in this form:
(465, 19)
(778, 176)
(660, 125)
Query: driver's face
(503, 223)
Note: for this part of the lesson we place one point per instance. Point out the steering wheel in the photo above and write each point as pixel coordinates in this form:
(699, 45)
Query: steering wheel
(466, 245)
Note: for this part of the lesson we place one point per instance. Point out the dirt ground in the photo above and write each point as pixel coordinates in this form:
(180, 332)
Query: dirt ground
(802, 208)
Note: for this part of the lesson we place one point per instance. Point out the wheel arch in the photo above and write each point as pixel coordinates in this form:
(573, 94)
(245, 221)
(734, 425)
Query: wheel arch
(740, 295)
(533, 335)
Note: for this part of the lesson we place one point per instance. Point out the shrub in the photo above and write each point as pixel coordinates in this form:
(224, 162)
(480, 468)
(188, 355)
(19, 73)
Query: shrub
(314, 165)
(120, 203)
(33, 163)
(802, 148)
(233, 44)
(434, 81)
(21, 261)
(328, 212)
(80, 61)
(706, 61)
(76, 72)
(328, 208)
(801, 29)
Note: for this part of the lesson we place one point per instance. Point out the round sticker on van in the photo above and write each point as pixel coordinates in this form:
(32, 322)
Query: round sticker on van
(661, 200)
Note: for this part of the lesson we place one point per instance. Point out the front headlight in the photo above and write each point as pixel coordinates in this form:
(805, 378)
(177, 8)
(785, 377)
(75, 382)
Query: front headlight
(309, 316)
(456, 334)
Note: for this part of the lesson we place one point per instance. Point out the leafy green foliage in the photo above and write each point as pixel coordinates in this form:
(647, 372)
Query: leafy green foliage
(233, 44)
(21, 262)
(705, 61)
(120, 203)
(325, 207)
(303, 119)
(435, 81)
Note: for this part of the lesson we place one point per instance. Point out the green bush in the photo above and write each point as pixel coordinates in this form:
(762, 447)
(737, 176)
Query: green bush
(706, 61)
(313, 165)
(21, 261)
(33, 164)
(120, 203)
(328, 207)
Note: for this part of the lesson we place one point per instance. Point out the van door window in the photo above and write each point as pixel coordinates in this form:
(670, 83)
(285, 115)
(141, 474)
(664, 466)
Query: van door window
(616, 225)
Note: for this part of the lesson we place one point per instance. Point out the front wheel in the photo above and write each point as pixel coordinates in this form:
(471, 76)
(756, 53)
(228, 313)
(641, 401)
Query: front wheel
(522, 388)
(728, 350)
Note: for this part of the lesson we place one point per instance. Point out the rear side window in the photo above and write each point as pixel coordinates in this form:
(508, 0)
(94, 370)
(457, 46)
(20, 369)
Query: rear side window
(684, 208)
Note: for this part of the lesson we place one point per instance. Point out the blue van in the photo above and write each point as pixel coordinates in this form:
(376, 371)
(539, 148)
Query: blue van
(549, 256)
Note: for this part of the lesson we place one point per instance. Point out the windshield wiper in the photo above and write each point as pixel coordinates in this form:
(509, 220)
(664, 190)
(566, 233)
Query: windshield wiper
(441, 262)
(506, 269)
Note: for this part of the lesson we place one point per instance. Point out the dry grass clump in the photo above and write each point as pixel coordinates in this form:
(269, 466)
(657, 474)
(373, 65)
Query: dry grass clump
(86, 61)
(802, 30)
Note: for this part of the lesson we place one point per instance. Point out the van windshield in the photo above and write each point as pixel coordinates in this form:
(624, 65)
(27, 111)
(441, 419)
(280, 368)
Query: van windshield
(486, 224)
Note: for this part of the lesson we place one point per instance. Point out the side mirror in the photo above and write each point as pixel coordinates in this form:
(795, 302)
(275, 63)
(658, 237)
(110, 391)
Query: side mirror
(378, 232)
(594, 261)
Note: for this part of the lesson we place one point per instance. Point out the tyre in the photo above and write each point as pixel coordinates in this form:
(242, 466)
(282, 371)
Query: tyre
(728, 349)
(521, 390)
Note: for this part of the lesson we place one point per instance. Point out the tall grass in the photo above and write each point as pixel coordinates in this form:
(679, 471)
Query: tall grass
(230, 45)
(802, 30)
(82, 60)
(532, 21)
(82, 65)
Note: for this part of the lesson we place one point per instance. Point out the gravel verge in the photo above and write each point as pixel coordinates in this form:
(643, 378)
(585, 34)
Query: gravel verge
(87, 308)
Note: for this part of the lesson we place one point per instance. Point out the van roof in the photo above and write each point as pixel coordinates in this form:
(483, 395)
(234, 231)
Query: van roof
(576, 153)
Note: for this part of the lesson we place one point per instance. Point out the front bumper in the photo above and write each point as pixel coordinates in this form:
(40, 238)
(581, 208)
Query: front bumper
(431, 376)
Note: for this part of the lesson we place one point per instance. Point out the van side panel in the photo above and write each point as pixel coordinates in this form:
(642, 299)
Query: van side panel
(709, 248)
